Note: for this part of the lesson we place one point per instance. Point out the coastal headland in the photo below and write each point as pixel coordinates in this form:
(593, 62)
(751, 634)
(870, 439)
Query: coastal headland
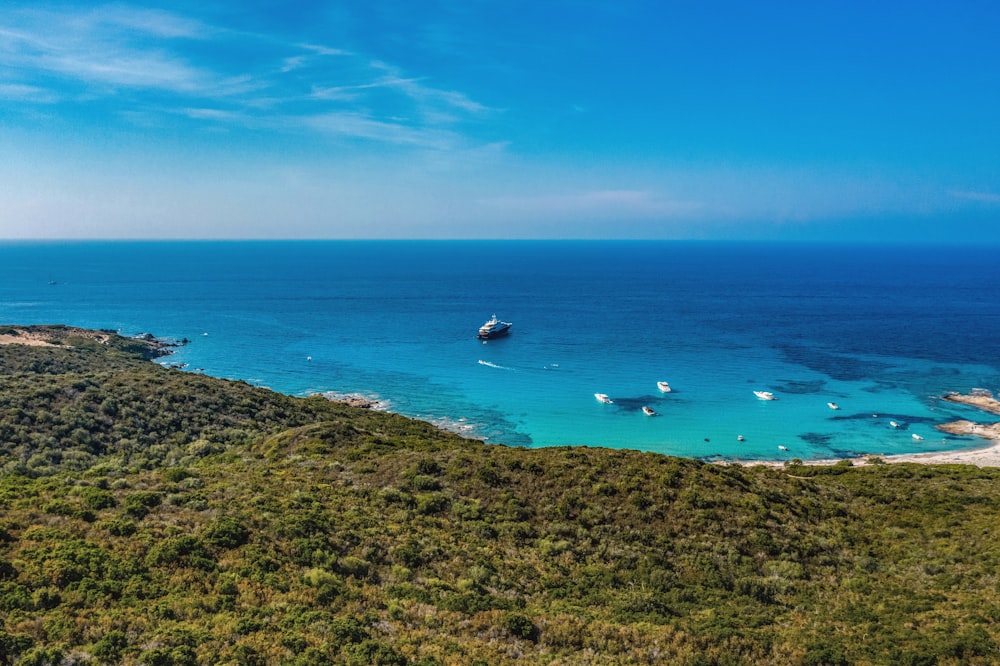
(59, 335)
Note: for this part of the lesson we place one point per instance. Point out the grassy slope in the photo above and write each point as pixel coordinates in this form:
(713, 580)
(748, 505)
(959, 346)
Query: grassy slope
(153, 516)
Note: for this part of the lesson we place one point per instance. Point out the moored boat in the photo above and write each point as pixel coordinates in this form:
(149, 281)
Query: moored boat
(664, 387)
(764, 395)
(603, 397)
(648, 411)
(833, 405)
(493, 328)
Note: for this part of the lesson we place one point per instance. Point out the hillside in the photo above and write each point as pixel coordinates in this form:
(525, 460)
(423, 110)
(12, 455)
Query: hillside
(154, 516)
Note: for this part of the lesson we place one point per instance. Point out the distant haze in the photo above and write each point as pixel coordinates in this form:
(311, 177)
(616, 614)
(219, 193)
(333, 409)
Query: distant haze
(448, 119)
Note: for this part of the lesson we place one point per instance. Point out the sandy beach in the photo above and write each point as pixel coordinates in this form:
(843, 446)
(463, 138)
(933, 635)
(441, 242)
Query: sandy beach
(986, 456)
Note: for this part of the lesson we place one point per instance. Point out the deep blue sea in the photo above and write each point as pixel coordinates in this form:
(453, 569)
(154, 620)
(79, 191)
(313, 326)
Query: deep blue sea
(882, 331)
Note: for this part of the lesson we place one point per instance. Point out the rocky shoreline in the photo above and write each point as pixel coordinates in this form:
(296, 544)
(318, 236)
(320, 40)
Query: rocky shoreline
(986, 456)
(59, 335)
(356, 400)
(980, 398)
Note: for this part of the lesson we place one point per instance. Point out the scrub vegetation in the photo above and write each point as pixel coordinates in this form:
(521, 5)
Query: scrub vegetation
(154, 516)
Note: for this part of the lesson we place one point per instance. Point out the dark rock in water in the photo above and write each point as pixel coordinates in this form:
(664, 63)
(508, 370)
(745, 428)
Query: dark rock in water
(633, 404)
(800, 387)
(845, 454)
(860, 416)
(838, 366)
(816, 438)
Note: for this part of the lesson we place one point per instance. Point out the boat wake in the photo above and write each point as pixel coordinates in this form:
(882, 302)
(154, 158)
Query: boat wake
(493, 365)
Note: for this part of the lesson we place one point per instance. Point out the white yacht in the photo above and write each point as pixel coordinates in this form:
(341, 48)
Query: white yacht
(764, 395)
(494, 328)
(648, 411)
(833, 405)
(603, 397)
(664, 387)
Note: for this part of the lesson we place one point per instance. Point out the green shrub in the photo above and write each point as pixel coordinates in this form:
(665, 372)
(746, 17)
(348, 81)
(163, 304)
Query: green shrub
(354, 566)
(519, 625)
(430, 503)
(175, 474)
(348, 630)
(226, 533)
(42, 656)
(97, 499)
(407, 554)
(110, 647)
(120, 527)
(423, 482)
(12, 645)
(181, 551)
(373, 653)
(138, 504)
(7, 570)
(428, 466)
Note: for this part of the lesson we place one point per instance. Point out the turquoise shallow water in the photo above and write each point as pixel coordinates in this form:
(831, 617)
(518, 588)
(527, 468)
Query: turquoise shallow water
(881, 331)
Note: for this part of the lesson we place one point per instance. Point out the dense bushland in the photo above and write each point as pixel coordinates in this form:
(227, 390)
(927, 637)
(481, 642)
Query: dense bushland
(206, 521)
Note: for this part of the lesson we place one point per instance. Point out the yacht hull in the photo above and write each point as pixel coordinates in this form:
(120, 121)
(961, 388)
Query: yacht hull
(496, 332)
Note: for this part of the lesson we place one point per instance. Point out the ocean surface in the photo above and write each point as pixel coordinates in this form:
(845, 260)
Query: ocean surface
(882, 331)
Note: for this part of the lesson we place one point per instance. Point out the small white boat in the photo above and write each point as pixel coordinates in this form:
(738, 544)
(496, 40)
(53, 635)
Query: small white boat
(648, 411)
(833, 405)
(739, 438)
(664, 387)
(916, 437)
(893, 424)
(782, 448)
(764, 395)
(603, 397)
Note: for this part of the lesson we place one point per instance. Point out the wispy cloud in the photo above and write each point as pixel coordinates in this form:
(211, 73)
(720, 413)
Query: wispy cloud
(129, 69)
(360, 126)
(105, 47)
(426, 95)
(600, 203)
(982, 197)
(153, 22)
(24, 93)
(212, 114)
(140, 60)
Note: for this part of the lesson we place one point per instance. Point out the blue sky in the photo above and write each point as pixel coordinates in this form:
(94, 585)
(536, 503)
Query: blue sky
(476, 119)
